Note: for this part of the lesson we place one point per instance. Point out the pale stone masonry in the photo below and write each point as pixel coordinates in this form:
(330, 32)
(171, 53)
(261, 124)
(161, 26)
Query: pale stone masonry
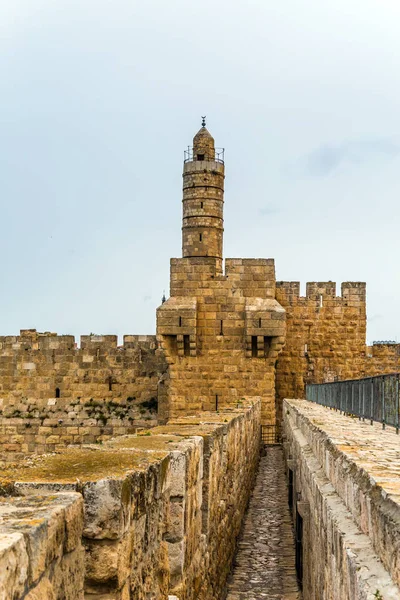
(161, 513)
(41, 554)
(53, 393)
(221, 333)
(346, 490)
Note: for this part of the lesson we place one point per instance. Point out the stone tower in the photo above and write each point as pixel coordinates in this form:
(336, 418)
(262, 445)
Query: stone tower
(203, 199)
(220, 333)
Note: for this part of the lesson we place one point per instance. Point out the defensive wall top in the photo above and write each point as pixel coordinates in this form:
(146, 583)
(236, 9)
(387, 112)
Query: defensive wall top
(350, 290)
(361, 462)
(30, 339)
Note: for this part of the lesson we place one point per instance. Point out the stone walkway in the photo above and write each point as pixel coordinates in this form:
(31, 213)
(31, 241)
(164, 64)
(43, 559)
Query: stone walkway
(264, 568)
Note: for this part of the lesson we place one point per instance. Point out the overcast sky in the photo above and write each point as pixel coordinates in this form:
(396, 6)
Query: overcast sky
(99, 99)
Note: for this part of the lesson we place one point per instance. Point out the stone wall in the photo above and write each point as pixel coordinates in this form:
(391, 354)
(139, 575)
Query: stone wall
(325, 337)
(347, 491)
(382, 358)
(41, 553)
(221, 335)
(162, 510)
(53, 394)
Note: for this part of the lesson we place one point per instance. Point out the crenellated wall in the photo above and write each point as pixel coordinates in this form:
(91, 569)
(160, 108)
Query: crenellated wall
(382, 358)
(162, 510)
(346, 494)
(35, 365)
(325, 337)
(53, 393)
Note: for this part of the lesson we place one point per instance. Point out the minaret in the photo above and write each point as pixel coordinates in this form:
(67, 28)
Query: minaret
(203, 199)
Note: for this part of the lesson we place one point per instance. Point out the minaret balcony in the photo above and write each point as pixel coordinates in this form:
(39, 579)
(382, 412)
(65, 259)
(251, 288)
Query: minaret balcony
(194, 156)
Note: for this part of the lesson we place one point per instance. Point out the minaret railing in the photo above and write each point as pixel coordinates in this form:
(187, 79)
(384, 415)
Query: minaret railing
(218, 156)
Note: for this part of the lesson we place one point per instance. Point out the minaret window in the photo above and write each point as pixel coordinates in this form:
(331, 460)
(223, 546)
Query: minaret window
(200, 157)
(201, 204)
(201, 237)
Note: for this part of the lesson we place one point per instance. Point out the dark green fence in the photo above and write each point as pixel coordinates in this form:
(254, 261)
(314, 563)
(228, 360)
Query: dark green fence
(372, 398)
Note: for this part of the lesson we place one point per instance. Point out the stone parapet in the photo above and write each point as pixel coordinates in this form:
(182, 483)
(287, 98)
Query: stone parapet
(41, 554)
(162, 509)
(325, 335)
(53, 393)
(347, 490)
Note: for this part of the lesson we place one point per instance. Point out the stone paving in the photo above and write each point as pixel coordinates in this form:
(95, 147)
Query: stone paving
(264, 567)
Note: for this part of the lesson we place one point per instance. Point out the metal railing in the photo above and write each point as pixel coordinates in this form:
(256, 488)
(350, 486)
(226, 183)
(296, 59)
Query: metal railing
(271, 435)
(372, 398)
(218, 156)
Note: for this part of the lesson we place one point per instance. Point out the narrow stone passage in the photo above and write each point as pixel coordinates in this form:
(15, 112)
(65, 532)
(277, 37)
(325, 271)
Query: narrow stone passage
(264, 567)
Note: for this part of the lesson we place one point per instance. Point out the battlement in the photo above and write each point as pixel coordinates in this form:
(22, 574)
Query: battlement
(353, 293)
(32, 340)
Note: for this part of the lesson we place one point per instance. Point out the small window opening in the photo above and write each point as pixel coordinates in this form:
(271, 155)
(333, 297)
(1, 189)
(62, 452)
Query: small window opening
(216, 402)
(221, 328)
(57, 392)
(186, 345)
(200, 157)
(201, 204)
(299, 549)
(259, 322)
(267, 345)
(254, 349)
(180, 321)
(201, 237)
(290, 489)
(110, 384)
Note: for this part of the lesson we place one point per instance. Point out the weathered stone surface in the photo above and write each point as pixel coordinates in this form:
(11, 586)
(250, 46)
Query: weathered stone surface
(14, 564)
(40, 550)
(162, 511)
(347, 489)
(106, 508)
(325, 335)
(54, 394)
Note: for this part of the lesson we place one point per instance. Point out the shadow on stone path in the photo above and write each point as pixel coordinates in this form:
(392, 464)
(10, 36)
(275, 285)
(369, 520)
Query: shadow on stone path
(264, 567)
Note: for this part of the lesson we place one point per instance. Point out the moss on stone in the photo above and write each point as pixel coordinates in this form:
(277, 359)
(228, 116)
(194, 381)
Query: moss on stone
(83, 464)
(153, 442)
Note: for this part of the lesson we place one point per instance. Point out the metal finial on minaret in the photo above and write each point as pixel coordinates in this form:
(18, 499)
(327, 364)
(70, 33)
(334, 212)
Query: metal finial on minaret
(203, 121)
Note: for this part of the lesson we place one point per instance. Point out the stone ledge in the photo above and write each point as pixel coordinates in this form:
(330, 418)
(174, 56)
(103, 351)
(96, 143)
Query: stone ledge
(162, 508)
(40, 546)
(361, 462)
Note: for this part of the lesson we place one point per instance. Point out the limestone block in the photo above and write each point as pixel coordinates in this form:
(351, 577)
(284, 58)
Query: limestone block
(42, 591)
(101, 561)
(67, 577)
(14, 564)
(107, 503)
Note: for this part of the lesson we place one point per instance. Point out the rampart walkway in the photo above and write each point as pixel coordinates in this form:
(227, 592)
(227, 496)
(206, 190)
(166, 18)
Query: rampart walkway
(264, 567)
